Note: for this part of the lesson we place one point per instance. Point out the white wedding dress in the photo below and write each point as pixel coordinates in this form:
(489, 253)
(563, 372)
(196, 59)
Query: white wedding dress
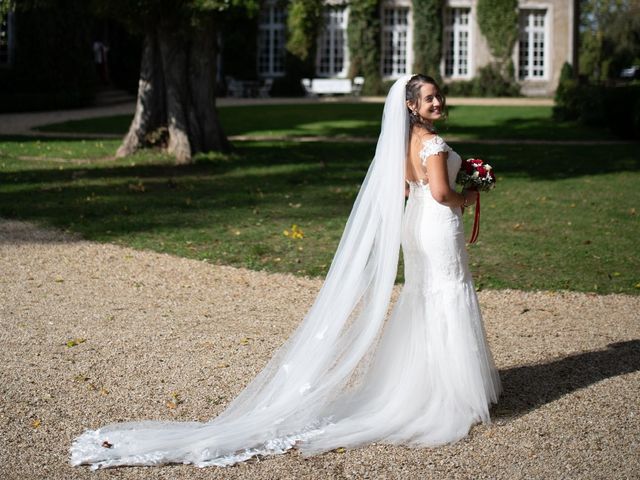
(433, 375)
(353, 374)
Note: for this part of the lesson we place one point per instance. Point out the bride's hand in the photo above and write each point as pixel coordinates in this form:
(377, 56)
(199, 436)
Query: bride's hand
(470, 197)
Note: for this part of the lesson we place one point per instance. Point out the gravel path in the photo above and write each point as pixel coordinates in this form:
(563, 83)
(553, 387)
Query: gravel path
(149, 327)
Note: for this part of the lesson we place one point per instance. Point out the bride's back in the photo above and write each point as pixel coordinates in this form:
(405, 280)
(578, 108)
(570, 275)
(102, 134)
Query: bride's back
(416, 171)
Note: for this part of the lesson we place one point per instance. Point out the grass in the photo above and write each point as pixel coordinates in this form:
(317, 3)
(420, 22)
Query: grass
(363, 119)
(562, 217)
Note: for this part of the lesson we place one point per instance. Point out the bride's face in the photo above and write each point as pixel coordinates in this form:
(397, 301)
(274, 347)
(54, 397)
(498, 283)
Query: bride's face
(430, 103)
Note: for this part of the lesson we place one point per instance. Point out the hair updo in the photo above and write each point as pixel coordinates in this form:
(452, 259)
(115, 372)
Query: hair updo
(413, 98)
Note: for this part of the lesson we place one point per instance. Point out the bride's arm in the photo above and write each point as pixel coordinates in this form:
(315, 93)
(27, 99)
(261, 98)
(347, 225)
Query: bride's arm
(439, 183)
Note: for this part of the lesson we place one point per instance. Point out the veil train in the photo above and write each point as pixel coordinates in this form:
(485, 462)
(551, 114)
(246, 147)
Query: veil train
(291, 400)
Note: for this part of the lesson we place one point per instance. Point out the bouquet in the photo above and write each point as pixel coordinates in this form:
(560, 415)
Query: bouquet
(478, 176)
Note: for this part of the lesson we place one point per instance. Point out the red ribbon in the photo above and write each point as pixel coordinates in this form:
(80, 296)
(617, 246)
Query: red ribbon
(476, 221)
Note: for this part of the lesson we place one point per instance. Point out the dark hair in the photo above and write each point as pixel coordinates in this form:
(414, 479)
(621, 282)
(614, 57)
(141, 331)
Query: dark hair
(413, 97)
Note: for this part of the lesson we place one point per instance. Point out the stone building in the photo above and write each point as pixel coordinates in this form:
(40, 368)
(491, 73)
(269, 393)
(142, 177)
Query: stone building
(547, 38)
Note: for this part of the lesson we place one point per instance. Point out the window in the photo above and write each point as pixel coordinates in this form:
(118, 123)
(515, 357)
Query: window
(456, 42)
(532, 56)
(5, 38)
(332, 44)
(395, 41)
(271, 47)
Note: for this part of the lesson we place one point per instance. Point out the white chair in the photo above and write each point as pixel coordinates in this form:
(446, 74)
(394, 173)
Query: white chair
(235, 88)
(306, 84)
(264, 91)
(358, 83)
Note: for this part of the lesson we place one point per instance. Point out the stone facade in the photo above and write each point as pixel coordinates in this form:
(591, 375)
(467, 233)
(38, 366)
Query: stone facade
(547, 39)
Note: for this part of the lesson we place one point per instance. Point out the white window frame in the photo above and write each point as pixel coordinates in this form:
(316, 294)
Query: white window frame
(329, 34)
(395, 30)
(547, 40)
(269, 27)
(456, 33)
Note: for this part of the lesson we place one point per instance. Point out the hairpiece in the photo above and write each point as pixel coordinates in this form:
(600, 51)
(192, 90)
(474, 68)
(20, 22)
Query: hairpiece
(412, 77)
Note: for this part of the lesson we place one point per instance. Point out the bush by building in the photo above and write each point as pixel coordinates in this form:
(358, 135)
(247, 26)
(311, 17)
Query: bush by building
(616, 107)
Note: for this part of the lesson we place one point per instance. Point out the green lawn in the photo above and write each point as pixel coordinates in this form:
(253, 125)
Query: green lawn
(363, 119)
(562, 217)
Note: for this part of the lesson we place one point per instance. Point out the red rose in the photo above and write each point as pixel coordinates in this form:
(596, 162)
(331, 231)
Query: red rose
(468, 167)
(482, 171)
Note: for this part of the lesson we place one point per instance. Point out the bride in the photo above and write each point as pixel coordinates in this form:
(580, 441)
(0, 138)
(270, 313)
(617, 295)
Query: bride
(351, 373)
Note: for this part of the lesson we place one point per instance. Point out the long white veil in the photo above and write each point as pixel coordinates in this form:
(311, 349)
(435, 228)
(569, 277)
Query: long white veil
(290, 400)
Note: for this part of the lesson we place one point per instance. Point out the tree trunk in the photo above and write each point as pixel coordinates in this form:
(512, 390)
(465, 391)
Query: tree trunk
(150, 106)
(202, 73)
(176, 93)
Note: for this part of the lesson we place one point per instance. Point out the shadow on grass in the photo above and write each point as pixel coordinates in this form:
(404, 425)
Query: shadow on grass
(145, 196)
(124, 199)
(324, 177)
(531, 386)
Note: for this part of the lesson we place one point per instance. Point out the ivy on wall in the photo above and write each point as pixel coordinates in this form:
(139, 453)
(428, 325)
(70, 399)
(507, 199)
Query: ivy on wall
(427, 37)
(303, 22)
(364, 43)
(498, 20)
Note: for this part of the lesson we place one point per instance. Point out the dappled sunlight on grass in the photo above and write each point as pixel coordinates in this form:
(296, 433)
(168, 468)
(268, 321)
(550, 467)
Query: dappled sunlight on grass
(363, 120)
(561, 217)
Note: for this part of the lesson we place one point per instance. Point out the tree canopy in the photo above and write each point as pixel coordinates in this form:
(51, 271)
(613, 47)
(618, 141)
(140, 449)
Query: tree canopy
(609, 37)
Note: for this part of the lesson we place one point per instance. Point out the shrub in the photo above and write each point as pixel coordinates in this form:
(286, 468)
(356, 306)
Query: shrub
(489, 82)
(614, 107)
(566, 105)
(459, 88)
(622, 110)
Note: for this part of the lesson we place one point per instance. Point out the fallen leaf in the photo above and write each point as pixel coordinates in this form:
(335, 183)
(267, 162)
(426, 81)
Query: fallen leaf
(175, 400)
(36, 423)
(75, 341)
(137, 187)
(245, 341)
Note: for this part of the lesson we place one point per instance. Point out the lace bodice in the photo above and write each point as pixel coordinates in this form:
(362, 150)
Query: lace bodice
(434, 146)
